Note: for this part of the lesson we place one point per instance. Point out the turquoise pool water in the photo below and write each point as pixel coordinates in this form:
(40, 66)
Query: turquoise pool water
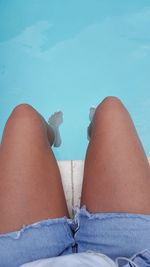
(68, 55)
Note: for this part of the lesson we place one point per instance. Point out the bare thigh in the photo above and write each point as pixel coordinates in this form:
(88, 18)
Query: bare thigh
(30, 182)
(116, 172)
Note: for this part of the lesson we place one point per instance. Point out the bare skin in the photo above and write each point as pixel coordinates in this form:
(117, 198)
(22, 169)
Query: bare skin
(116, 175)
(117, 172)
(30, 182)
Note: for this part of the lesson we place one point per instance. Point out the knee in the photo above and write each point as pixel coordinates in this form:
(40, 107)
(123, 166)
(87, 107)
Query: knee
(109, 105)
(24, 112)
(23, 109)
(110, 102)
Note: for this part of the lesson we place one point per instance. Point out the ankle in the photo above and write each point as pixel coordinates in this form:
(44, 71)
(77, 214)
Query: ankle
(50, 134)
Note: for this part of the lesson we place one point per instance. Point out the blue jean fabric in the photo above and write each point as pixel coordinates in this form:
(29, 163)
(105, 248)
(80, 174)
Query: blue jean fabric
(43, 239)
(116, 234)
(113, 234)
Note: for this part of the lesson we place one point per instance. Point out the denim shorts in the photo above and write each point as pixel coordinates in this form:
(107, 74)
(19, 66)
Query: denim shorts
(113, 234)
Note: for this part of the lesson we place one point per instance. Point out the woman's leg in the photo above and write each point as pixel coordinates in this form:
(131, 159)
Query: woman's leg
(30, 182)
(117, 172)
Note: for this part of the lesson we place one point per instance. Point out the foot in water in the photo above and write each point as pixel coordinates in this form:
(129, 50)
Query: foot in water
(89, 129)
(54, 121)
